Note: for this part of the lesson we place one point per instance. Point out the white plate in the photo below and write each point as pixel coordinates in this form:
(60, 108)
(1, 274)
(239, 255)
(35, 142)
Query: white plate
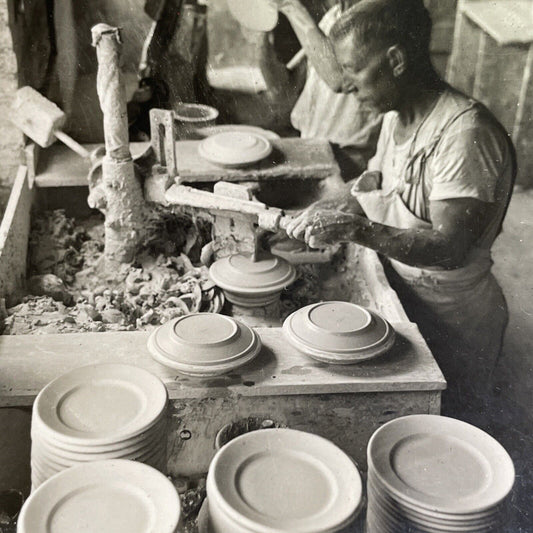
(153, 433)
(100, 404)
(235, 148)
(207, 131)
(440, 464)
(284, 480)
(383, 507)
(103, 497)
(56, 460)
(255, 15)
(204, 340)
(417, 514)
(338, 332)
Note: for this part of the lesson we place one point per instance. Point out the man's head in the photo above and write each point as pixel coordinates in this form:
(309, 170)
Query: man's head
(381, 45)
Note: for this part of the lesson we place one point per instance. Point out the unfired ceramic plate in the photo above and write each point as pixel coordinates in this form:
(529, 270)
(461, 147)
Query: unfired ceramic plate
(338, 332)
(235, 148)
(440, 464)
(204, 344)
(100, 404)
(284, 480)
(103, 497)
(207, 131)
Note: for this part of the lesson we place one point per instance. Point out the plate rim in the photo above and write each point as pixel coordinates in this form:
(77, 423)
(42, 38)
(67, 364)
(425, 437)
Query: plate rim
(387, 436)
(156, 401)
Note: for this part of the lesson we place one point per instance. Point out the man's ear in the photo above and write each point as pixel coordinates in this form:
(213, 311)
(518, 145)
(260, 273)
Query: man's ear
(397, 60)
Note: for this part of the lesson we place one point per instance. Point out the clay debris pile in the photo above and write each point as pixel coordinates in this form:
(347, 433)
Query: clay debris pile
(70, 291)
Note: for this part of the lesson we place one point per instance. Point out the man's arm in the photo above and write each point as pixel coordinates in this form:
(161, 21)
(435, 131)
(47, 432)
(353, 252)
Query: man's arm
(457, 225)
(316, 45)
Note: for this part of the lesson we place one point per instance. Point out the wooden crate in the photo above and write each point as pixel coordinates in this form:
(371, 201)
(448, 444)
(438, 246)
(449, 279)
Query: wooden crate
(492, 60)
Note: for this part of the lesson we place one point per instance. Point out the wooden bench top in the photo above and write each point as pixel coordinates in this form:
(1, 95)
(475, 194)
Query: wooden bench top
(29, 362)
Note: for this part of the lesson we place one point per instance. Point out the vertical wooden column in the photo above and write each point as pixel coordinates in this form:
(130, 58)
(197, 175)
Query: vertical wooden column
(125, 209)
(492, 60)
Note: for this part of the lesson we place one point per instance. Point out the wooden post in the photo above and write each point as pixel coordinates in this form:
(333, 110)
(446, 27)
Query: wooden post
(125, 212)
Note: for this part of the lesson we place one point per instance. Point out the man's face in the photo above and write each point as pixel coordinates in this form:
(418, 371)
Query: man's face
(367, 73)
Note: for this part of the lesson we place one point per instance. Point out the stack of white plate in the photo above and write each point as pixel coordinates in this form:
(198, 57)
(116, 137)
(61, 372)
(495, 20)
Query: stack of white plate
(280, 480)
(97, 412)
(103, 497)
(429, 473)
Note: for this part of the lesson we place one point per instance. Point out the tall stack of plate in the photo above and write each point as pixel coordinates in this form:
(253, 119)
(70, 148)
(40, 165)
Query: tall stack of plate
(103, 497)
(281, 480)
(98, 412)
(433, 474)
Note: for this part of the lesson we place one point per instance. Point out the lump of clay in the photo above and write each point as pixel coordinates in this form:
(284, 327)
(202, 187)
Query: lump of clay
(49, 285)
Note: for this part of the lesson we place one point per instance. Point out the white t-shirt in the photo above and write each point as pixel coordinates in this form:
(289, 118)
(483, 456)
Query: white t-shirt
(471, 158)
(322, 113)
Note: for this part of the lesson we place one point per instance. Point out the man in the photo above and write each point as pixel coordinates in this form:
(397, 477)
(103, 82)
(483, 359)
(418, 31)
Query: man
(322, 110)
(434, 196)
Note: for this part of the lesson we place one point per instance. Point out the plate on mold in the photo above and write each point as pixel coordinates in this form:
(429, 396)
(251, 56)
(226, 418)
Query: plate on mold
(252, 283)
(235, 148)
(208, 131)
(338, 332)
(204, 344)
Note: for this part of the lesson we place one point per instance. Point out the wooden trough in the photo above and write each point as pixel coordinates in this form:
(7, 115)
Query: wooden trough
(344, 404)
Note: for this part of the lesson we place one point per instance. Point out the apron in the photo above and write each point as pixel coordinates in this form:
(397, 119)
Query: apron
(461, 313)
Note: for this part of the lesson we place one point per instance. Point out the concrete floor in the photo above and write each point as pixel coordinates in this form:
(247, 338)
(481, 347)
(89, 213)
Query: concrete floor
(513, 266)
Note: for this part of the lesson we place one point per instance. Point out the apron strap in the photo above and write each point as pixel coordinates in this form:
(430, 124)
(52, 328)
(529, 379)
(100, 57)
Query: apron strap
(416, 165)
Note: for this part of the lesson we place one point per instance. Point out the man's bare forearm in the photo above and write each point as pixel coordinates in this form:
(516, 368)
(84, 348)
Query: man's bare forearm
(317, 46)
(415, 247)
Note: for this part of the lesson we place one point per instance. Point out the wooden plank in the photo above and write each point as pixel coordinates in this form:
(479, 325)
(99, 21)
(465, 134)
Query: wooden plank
(14, 234)
(499, 79)
(506, 21)
(523, 127)
(28, 362)
(292, 158)
(59, 166)
(463, 60)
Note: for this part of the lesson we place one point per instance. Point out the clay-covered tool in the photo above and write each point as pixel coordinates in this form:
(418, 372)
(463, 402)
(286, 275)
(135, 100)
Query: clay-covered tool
(42, 120)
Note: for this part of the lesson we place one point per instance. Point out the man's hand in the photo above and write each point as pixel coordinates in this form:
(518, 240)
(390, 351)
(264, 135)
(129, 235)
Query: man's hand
(321, 227)
(329, 228)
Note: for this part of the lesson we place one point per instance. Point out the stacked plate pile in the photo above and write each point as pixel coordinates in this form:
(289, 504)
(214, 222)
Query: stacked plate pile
(338, 332)
(433, 474)
(250, 283)
(280, 480)
(204, 344)
(98, 412)
(103, 497)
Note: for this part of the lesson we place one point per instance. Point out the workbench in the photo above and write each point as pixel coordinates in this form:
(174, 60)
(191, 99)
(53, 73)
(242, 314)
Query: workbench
(345, 404)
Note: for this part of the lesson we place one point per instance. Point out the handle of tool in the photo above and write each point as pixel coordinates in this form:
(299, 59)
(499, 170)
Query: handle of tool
(72, 144)
(284, 221)
(296, 60)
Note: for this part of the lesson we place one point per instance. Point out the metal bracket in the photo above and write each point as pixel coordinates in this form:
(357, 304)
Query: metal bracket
(163, 134)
